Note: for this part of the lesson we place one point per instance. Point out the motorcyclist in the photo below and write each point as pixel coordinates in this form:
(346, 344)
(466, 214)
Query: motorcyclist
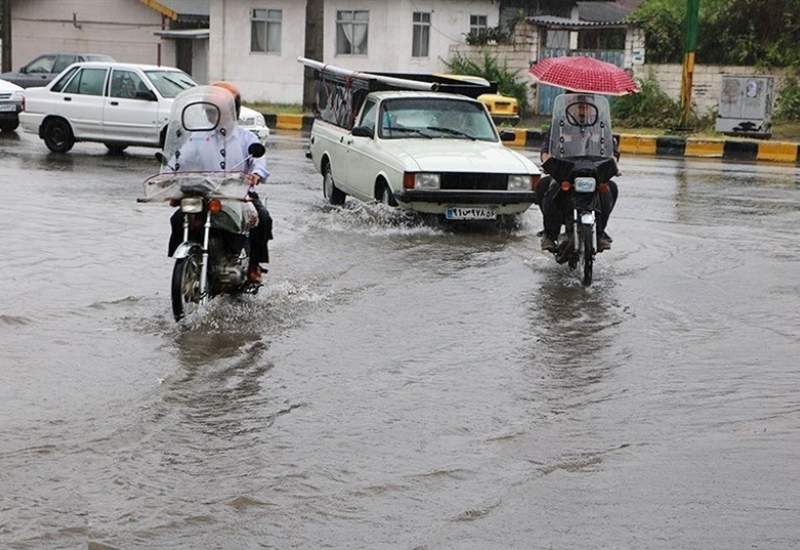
(201, 153)
(554, 204)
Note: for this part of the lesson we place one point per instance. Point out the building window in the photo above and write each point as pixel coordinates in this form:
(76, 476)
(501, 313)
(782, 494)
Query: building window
(477, 24)
(422, 34)
(265, 31)
(352, 29)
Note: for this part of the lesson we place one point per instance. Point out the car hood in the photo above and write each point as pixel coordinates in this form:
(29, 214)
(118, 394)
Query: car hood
(459, 155)
(6, 86)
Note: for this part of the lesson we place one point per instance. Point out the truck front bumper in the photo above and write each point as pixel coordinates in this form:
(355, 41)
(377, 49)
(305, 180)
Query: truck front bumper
(498, 198)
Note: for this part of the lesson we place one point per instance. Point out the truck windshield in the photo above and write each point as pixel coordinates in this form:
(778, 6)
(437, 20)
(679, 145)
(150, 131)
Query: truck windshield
(431, 117)
(170, 83)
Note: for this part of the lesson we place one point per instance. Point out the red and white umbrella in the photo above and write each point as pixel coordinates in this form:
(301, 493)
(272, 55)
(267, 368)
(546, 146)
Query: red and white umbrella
(584, 74)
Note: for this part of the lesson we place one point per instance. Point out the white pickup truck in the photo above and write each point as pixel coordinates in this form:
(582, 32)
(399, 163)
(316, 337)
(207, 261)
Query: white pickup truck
(428, 152)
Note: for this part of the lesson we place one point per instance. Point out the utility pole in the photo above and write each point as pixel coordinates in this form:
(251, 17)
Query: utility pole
(5, 35)
(315, 18)
(690, 45)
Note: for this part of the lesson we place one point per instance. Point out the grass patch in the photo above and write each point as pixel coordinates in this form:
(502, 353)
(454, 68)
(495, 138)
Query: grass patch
(276, 108)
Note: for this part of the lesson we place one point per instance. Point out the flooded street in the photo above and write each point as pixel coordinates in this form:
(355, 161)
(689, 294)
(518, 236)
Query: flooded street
(399, 385)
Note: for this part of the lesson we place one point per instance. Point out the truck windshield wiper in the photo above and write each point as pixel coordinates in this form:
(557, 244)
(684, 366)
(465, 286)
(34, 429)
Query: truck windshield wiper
(404, 129)
(451, 131)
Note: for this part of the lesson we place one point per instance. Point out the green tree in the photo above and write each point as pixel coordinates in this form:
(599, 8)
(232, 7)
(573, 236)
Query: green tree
(735, 32)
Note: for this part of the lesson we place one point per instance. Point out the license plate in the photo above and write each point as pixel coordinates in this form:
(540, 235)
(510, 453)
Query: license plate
(584, 185)
(7, 107)
(456, 213)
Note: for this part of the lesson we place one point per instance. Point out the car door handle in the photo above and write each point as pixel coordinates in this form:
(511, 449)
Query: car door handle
(349, 142)
(115, 103)
(67, 99)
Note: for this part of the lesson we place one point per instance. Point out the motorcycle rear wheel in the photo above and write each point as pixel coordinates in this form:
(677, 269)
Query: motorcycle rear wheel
(186, 286)
(587, 252)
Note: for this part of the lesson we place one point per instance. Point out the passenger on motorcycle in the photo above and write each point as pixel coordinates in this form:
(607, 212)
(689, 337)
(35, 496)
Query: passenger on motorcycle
(214, 151)
(552, 201)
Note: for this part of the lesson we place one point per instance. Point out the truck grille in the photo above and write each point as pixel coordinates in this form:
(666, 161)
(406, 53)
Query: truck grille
(6, 95)
(474, 181)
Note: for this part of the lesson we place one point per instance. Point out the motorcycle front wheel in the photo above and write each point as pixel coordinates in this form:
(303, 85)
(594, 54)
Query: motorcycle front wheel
(186, 286)
(587, 252)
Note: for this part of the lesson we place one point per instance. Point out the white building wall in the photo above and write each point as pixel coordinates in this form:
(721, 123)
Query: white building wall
(122, 29)
(390, 32)
(279, 78)
(270, 77)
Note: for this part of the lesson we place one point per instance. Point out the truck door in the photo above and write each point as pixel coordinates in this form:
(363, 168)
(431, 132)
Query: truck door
(362, 167)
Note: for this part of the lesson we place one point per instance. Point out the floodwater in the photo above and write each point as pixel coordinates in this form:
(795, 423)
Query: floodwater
(400, 385)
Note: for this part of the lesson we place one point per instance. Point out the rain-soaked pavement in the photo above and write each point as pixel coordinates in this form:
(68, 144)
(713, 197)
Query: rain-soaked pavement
(397, 385)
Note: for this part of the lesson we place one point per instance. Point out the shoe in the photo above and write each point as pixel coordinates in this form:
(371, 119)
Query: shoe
(603, 243)
(548, 244)
(607, 237)
(254, 274)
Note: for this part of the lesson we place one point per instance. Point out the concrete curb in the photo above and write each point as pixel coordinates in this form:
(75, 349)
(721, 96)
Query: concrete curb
(288, 122)
(632, 144)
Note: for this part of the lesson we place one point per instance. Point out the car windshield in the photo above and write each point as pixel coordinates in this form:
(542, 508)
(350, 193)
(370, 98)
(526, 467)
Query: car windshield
(432, 117)
(170, 83)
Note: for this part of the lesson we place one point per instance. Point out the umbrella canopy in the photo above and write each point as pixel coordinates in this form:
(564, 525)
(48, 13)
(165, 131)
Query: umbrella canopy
(584, 74)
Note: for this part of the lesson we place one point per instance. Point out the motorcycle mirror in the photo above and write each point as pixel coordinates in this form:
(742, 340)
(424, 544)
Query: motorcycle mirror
(256, 150)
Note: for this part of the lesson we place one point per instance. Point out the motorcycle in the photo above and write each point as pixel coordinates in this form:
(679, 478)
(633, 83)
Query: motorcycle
(217, 215)
(582, 149)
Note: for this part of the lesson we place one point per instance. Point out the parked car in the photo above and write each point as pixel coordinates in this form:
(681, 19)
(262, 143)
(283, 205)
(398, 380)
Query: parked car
(503, 108)
(428, 152)
(253, 121)
(42, 70)
(12, 101)
(118, 104)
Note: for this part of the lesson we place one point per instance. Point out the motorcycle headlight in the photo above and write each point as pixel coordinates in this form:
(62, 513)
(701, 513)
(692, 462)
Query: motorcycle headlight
(427, 181)
(192, 205)
(585, 184)
(519, 183)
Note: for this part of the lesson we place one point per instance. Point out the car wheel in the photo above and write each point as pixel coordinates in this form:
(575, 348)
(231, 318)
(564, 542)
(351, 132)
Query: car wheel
(334, 195)
(115, 150)
(9, 125)
(387, 197)
(58, 136)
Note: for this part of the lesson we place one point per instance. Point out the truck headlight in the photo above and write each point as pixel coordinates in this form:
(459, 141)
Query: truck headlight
(519, 183)
(427, 181)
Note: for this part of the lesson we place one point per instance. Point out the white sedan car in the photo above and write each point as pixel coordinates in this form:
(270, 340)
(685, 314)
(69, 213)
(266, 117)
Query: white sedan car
(12, 101)
(117, 104)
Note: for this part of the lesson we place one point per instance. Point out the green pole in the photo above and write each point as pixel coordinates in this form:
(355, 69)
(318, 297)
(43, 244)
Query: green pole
(689, 47)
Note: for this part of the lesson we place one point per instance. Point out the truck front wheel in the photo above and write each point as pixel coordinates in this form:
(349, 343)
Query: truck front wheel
(332, 193)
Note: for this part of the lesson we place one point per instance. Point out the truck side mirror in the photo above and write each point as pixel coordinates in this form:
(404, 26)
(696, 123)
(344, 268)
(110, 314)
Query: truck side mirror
(362, 131)
(506, 135)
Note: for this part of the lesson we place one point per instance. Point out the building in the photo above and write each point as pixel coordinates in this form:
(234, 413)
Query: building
(127, 30)
(256, 43)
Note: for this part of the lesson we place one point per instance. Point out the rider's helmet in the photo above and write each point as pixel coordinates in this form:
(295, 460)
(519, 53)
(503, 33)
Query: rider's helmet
(233, 89)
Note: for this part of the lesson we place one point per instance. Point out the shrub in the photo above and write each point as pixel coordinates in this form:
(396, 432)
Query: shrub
(508, 81)
(789, 100)
(651, 107)
(492, 35)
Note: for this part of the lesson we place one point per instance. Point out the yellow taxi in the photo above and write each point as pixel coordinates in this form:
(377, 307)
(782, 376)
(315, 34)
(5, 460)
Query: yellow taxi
(503, 108)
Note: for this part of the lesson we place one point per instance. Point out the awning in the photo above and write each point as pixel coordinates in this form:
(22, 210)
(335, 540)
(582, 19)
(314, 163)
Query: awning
(191, 34)
(553, 22)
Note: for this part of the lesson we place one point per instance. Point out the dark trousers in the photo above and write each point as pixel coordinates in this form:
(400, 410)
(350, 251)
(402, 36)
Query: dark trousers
(556, 207)
(259, 235)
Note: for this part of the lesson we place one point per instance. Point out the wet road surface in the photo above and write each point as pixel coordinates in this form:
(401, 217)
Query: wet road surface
(399, 385)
